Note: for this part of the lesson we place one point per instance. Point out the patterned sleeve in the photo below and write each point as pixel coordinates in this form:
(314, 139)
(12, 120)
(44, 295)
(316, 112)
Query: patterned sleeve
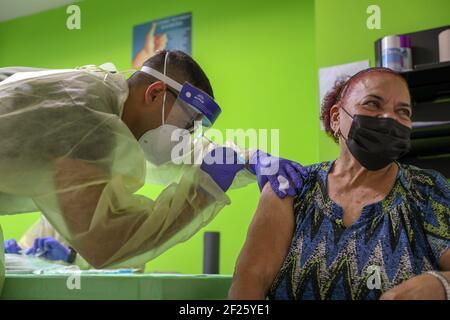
(304, 196)
(309, 179)
(437, 214)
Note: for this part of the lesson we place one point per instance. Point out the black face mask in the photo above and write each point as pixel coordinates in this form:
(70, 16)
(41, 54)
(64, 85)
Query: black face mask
(376, 142)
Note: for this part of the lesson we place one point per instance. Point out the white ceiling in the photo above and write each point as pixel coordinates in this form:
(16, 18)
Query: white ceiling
(10, 9)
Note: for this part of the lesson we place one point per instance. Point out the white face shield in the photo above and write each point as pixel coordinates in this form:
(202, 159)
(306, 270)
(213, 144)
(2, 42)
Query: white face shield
(192, 104)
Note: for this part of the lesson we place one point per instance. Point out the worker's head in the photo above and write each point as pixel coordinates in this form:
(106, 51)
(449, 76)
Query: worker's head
(143, 109)
(370, 111)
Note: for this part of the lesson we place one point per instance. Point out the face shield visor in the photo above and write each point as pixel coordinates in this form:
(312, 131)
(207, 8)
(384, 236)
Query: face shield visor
(191, 105)
(176, 141)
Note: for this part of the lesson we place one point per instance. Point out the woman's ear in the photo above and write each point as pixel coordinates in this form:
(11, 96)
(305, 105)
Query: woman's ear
(334, 117)
(154, 92)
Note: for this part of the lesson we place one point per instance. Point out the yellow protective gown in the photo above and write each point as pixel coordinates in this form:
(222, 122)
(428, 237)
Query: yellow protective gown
(66, 152)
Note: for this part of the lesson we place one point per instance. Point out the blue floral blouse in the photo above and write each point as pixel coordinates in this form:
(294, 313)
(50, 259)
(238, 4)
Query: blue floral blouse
(393, 240)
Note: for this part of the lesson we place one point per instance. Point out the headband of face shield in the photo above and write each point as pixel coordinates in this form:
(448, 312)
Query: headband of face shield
(191, 106)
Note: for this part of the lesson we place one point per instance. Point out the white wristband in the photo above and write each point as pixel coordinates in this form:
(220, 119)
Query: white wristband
(445, 282)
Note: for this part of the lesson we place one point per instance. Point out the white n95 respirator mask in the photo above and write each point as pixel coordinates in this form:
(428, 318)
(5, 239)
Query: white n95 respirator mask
(158, 144)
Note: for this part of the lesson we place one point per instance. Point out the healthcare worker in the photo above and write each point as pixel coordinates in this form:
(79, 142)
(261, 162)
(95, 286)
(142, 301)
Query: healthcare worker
(74, 144)
(42, 240)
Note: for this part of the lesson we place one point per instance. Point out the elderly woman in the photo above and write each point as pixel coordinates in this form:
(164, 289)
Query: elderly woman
(363, 226)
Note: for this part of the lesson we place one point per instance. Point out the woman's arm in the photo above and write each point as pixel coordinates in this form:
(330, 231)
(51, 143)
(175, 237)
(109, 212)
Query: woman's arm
(426, 286)
(444, 261)
(422, 287)
(265, 248)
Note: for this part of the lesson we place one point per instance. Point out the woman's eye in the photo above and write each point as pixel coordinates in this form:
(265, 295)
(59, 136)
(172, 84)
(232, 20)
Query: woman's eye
(405, 112)
(372, 103)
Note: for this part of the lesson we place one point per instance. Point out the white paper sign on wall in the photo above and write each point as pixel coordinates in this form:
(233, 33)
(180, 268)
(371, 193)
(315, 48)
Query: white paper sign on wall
(329, 75)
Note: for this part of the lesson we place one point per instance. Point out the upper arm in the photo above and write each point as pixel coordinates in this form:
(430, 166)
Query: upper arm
(437, 218)
(268, 239)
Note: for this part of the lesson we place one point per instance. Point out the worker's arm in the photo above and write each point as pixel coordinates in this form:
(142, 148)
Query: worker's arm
(266, 247)
(108, 225)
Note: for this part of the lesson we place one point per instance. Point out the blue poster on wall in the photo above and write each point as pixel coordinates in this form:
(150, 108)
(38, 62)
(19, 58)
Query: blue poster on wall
(168, 33)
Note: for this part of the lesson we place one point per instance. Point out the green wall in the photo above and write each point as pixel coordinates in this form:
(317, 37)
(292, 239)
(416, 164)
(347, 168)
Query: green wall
(343, 37)
(259, 56)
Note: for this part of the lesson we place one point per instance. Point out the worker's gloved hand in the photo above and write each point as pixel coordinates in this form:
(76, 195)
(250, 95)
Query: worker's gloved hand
(222, 165)
(285, 176)
(11, 246)
(50, 249)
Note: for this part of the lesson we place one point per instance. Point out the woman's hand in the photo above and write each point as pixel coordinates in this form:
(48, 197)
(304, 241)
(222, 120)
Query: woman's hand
(423, 287)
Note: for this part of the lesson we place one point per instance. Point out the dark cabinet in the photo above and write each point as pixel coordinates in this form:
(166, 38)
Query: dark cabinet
(430, 138)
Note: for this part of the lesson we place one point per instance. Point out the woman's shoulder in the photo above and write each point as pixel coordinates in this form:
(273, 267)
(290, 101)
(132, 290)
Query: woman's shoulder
(419, 177)
(432, 190)
(318, 168)
(316, 172)
(429, 182)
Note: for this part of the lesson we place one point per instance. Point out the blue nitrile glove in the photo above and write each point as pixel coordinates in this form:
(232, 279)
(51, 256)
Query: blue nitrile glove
(11, 246)
(285, 176)
(222, 165)
(50, 249)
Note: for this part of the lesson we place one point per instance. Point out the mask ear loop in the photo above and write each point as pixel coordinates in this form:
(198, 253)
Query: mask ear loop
(338, 132)
(165, 91)
(347, 112)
